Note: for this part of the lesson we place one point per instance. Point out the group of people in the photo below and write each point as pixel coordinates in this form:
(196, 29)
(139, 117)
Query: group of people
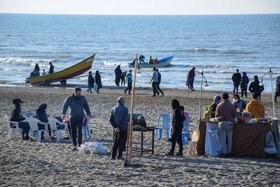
(94, 82)
(36, 71)
(226, 114)
(243, 81)
(77, 104)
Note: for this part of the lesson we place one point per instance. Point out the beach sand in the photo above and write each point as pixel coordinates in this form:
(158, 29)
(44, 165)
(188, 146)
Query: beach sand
(55, 164)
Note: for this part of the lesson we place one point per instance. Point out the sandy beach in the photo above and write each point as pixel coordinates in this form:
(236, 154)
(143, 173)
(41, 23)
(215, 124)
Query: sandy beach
(55, 164)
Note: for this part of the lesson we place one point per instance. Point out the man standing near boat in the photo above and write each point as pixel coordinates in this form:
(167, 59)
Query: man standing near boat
(51, 68)
(159, 80)
(118, 73)
(155, 82)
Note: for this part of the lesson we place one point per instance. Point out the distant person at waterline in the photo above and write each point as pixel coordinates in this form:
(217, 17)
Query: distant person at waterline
(256, 87)
(90, 82)
(190, 79)
(129, 82)
(98, 82)
(159, 80)
(244, 84)
(154, 81)
(51, 68)
(123, 76)
(236, 79)
(118, 73)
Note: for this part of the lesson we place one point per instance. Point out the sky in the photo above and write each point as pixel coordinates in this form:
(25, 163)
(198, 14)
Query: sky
(141, 7)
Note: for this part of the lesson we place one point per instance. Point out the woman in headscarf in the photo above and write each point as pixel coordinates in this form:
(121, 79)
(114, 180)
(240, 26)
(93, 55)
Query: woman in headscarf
(42, 116)
(244, 84)
(237, 103)
(177, 125)
(90, 82)
(216, 101)
(17, 116)
(98, 80)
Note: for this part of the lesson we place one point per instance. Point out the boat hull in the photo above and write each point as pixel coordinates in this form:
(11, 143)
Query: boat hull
(163, 63)
(65, 74)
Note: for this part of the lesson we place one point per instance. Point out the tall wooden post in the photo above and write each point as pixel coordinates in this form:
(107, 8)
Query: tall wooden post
(129, 158)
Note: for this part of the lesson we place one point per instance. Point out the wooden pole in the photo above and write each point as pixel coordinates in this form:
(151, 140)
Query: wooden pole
(129, 158)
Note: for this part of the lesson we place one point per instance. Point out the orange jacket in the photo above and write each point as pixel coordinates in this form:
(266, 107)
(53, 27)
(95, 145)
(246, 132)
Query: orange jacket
(256, 109)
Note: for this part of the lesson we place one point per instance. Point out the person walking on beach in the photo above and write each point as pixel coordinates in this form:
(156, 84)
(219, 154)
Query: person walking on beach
(256, 87)
(129, 82)
(159, 80)
(244, 84)
(177, 125)
(17, 116)
(98, 81)
(119, 121)
(77, 104)
(236, 79)
(118, 73)
(90, 82)
(225, 113)
(51, 68)
(154, 81)
(190, 79)
(123, 76)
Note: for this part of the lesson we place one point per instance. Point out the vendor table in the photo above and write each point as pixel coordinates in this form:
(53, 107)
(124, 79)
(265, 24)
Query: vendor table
(142, 131)
(247, 140)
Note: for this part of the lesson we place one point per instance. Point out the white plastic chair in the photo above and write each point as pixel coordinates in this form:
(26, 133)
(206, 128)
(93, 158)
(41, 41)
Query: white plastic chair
(13, 125)
(164, 126)
(86, 128)
(33, 123)
(53, 121)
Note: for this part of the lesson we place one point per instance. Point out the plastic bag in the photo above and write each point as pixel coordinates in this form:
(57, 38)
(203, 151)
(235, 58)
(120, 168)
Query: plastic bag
(93, 147)
(213, 145)
(269, 147)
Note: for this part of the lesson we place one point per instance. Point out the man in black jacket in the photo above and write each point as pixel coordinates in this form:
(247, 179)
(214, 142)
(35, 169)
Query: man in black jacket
(236, 79)
(77, 104)
(256, 87)
(119, 121)
(177, 124)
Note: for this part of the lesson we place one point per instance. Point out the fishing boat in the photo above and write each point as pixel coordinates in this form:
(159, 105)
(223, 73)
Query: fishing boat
(63, 75)
(162, 63)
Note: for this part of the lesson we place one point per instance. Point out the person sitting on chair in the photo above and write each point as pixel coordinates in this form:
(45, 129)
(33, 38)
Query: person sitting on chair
(17, 116)
(42, 116)
(255, 107)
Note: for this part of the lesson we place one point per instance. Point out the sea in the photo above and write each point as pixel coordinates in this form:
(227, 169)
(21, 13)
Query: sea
(214, 44)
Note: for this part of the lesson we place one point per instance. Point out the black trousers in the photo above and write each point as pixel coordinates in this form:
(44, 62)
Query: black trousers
(155, 88)
(244, 92)
(235, 89)
(177, 137)
(158, 88)
(119, 143)
(129, 87)
(76, 129)
(117, 80)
